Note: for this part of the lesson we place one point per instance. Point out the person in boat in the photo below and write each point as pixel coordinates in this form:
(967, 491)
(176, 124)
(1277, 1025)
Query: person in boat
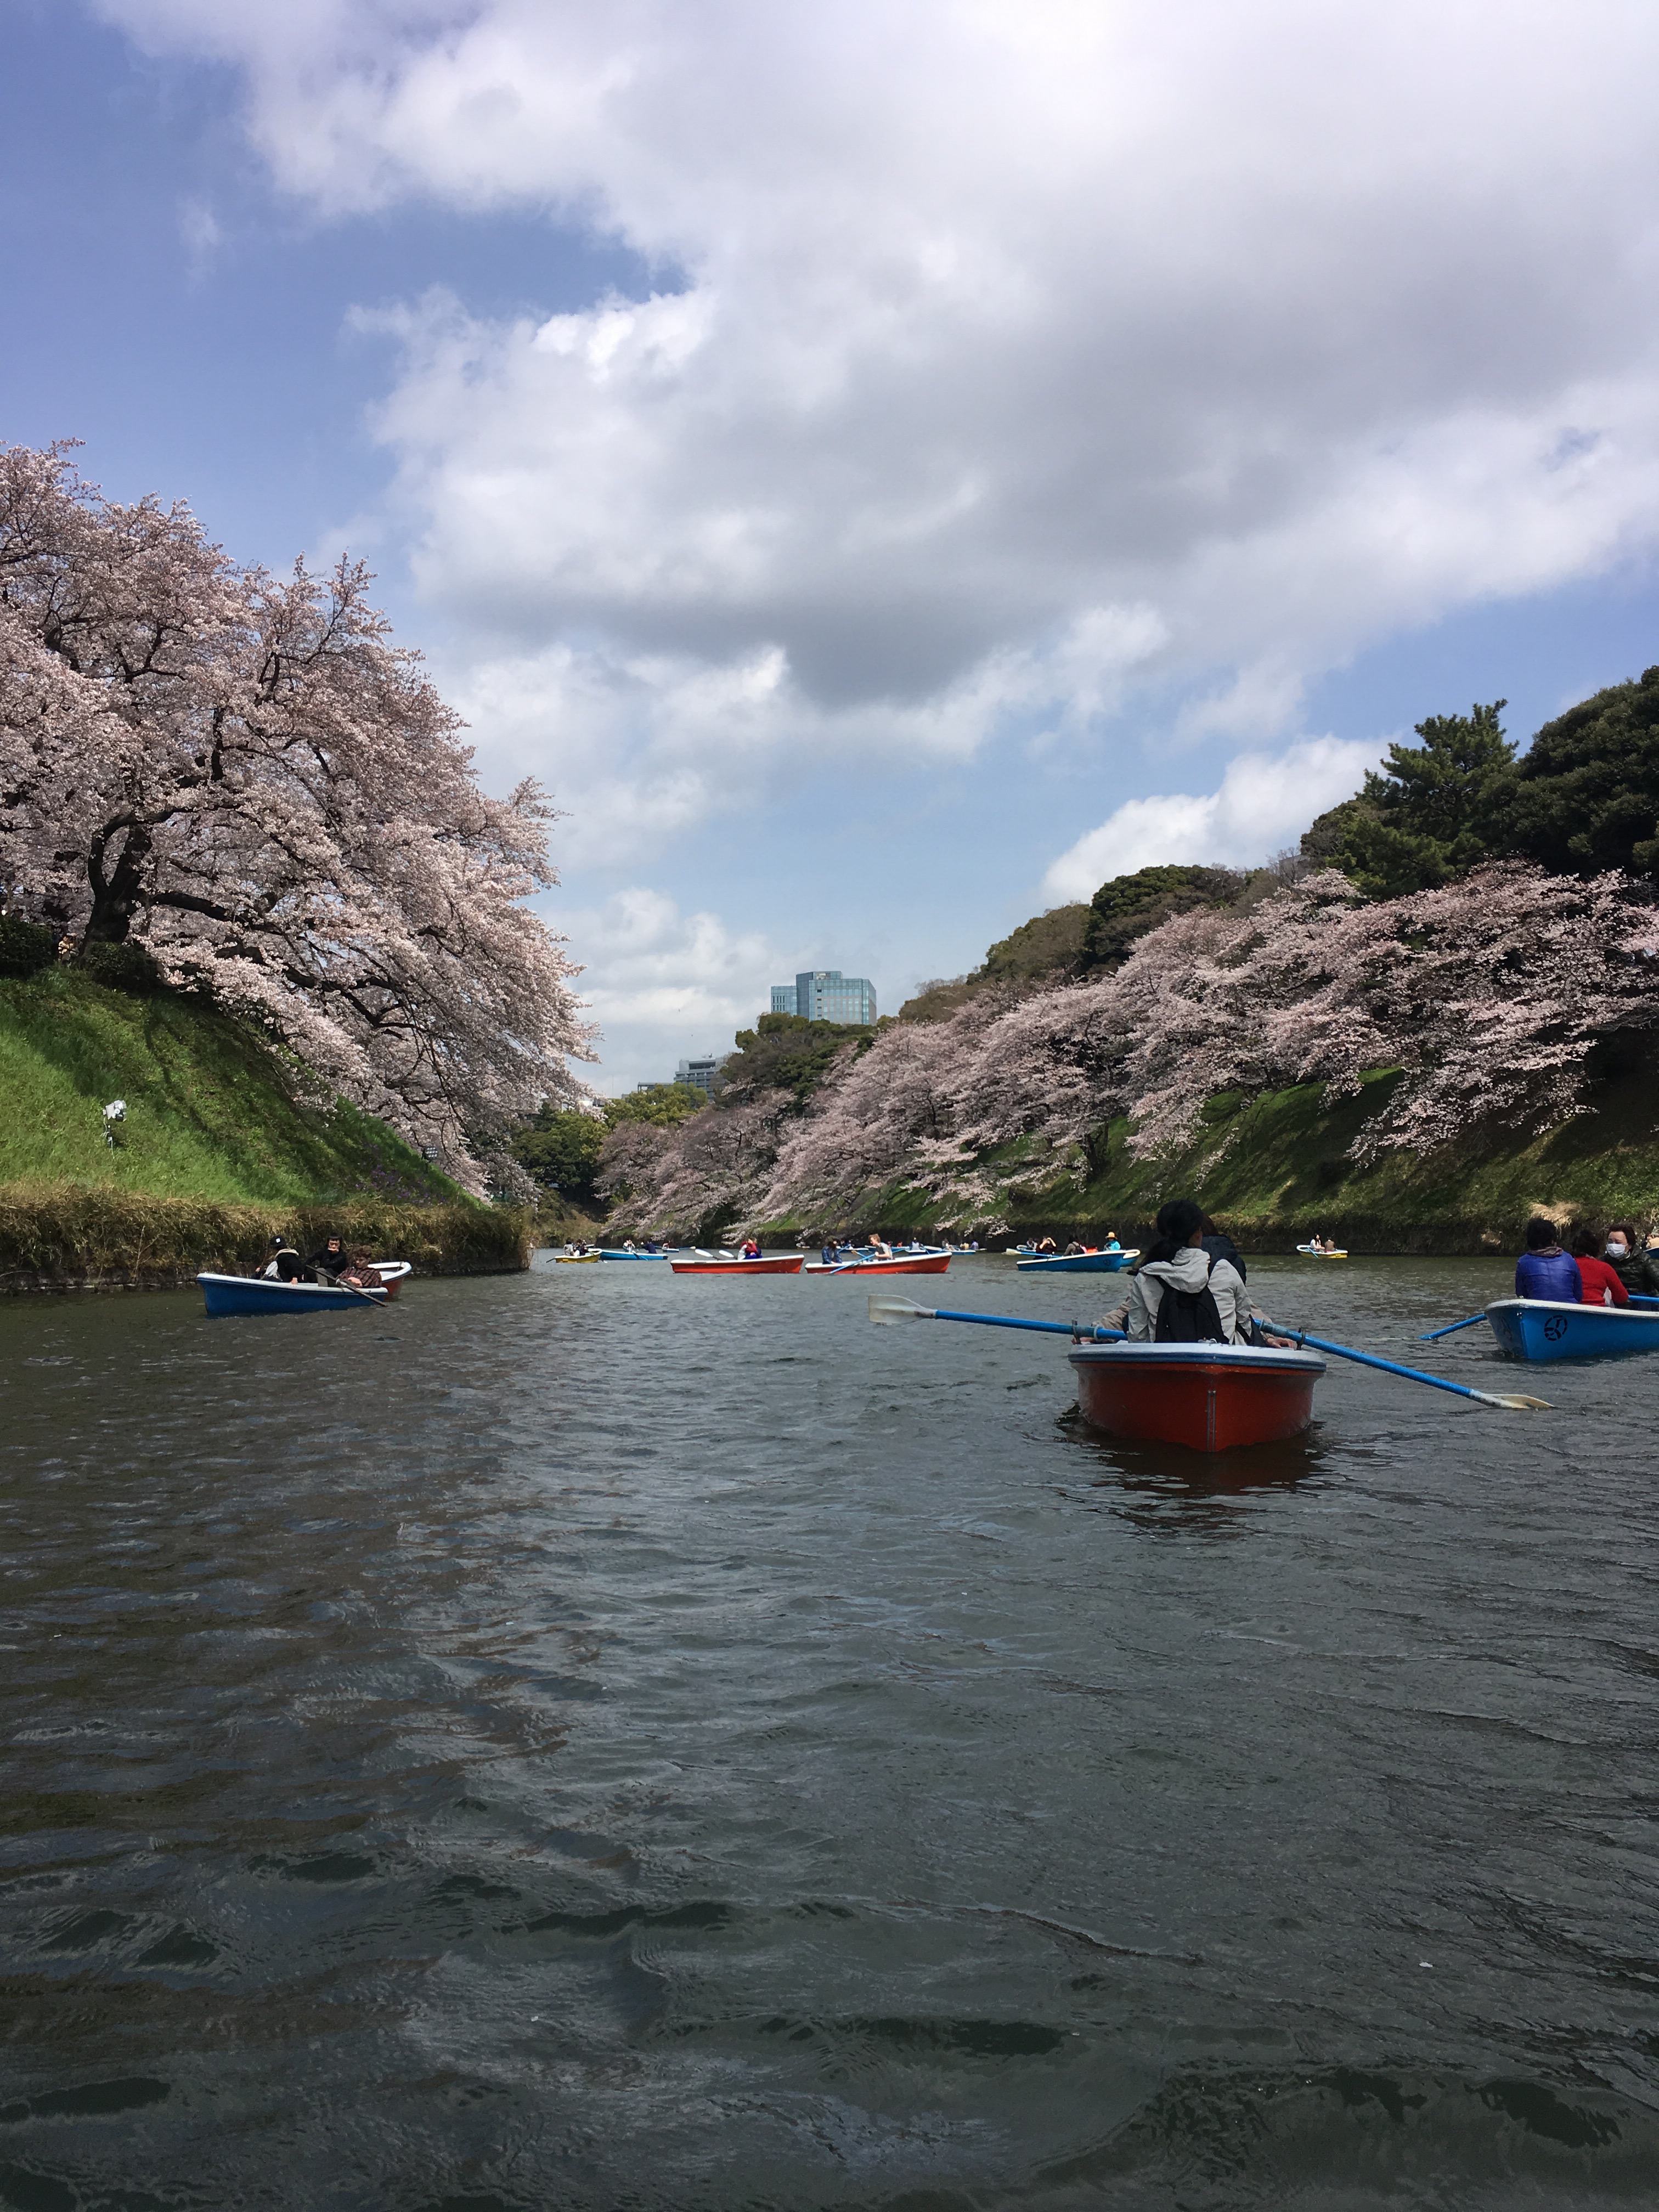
(830, 1253)
(1074, 1250)
(879, 1249)
(284, 1264)
(1046, 1246)
(1600, 1283)
(1220, 1246)
(1637, 1270)
(751, 1250)
(1544, 1270)
(1179, 1295)
(329, 1260)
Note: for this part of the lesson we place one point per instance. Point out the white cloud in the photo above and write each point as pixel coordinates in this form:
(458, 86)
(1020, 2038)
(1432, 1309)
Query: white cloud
(664, 986)
(1002, 355)
(1264, 801)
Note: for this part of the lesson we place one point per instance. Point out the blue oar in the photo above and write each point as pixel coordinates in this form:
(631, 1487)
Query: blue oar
(894, 1309)
(1452, 1331)
(1514, 1402)
(887, 1311)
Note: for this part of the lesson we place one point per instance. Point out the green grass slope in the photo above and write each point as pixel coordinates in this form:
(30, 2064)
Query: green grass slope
(209, 1113)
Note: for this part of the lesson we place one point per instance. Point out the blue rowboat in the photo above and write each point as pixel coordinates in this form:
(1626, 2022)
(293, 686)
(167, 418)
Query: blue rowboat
(1083, 1263)
(603, 1254)
(244, 1294)
(1547, 1328)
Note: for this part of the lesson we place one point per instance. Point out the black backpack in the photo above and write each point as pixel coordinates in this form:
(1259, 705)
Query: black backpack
(1190, 1316)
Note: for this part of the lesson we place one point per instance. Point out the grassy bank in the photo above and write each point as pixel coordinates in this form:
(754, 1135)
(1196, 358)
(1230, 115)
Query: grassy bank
(1285, 1172)
(211, 1113)
(214, 1155)
(67, 1236)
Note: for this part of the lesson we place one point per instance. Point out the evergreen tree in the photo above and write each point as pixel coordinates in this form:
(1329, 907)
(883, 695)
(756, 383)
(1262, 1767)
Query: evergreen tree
(1586, 795)
(1431, 816)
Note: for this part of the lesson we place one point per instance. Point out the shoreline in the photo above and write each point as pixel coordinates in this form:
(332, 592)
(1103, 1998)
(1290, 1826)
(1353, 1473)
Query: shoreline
(73, 1239)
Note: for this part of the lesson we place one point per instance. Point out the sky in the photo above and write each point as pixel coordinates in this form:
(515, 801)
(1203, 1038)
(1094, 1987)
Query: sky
(884, 469)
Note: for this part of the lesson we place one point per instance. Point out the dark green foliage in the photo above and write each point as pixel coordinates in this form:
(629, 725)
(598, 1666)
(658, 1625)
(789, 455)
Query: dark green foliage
(1433, 814)
(664, 1105)
(1129, 905)
(25, 946)
(1586, 795)
(786, 1052)
(1050, 944)
(128, 967)
(561, 1150)
(1327, 838)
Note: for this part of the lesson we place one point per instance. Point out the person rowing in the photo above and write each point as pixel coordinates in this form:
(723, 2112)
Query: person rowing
(1181, 1294)
(1544, 1270)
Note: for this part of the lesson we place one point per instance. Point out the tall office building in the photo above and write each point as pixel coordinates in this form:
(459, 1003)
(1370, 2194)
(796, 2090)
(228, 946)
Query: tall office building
(825, 994)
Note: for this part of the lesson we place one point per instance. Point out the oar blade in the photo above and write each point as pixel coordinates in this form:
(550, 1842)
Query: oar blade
(1515, 1402)
(888, 1311)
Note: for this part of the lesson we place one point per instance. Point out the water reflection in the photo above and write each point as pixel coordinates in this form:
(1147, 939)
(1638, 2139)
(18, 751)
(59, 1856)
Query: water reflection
(1169, 1489)
(615, 1740)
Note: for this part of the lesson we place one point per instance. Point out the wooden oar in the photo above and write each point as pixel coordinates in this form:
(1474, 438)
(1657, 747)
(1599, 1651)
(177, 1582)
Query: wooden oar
(1452, 1331)
(887, 1311)
(1514, 1402)
(366, 1299)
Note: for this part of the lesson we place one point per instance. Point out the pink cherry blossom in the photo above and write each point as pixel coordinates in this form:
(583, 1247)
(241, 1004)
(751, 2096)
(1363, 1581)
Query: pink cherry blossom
(243, 773)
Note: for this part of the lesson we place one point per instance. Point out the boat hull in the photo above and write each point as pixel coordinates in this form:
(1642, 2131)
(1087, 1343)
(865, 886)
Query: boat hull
(1210, 1397)
(1080, 1263)
(927, 1263)
(632, 1256)
(1312, 1252)
(241, 1294)
(785, 1264)
(1545, 1328)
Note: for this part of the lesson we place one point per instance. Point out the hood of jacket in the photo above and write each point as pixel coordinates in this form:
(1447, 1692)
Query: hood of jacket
(1190, 1270)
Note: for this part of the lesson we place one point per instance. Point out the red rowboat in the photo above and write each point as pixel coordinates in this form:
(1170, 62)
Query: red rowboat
(780, 1263)
(1211, 1397)
(923, 1263)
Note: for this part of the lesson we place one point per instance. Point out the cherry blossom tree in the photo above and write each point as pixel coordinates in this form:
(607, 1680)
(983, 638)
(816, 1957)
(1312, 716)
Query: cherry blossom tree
(1483, 997)
(693, 1180)
(242, 773)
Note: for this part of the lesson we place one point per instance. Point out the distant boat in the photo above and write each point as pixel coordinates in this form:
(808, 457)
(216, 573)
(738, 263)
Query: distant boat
(576, 1259)
(729, 1263)
(1106, 1262)
(260, 1294)
(902, 1263)
(1545, 1328)
(1210, 1397)
(1318, 1252)
(632, 1256)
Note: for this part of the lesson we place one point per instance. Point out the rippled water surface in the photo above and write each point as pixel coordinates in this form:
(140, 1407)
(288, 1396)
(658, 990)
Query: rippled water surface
(593, 1738)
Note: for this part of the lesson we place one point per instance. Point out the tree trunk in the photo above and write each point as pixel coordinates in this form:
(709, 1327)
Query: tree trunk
(115, 891)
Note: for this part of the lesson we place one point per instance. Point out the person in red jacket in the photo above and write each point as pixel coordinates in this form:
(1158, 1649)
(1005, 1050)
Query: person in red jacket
(1601, 1286)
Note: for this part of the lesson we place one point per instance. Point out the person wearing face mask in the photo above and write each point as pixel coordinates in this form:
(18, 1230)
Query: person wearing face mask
(1635, 1268)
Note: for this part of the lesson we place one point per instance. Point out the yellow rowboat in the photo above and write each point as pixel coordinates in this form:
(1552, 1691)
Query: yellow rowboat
(577, 1259)
(1317, 1252)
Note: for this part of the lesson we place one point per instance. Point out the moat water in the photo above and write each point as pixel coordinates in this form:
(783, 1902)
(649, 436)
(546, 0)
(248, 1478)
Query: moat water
(592, 1739)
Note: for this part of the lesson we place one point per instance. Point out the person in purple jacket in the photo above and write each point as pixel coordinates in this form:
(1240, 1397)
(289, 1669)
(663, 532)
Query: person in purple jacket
(1544, 1270)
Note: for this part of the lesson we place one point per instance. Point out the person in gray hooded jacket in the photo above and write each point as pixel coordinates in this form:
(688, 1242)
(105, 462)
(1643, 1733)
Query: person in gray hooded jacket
(1178, 1263)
